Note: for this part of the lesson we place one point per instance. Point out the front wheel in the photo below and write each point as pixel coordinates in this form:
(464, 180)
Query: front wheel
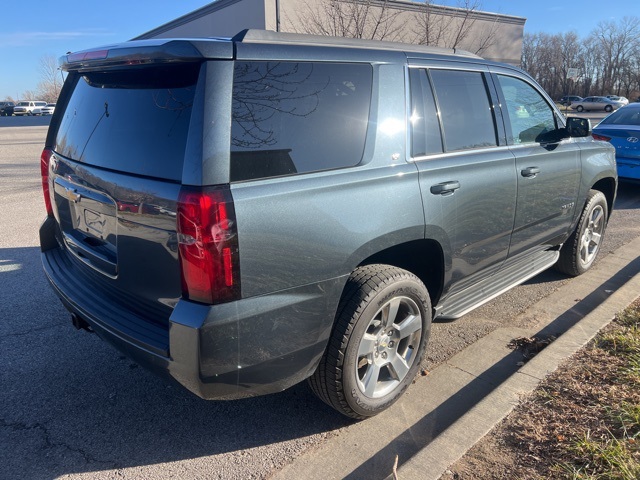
(580, 108)
(380, 335)
(580, 250)
(608, 108)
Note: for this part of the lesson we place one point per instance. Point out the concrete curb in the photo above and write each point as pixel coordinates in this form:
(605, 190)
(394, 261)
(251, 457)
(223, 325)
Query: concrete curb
(460, 401)
(432, 461)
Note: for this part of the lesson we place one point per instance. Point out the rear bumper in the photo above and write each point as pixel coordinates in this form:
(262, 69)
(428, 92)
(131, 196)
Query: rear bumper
(250, 347)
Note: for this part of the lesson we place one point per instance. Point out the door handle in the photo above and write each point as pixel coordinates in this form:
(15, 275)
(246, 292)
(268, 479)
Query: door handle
(445, 188)
(530, 172)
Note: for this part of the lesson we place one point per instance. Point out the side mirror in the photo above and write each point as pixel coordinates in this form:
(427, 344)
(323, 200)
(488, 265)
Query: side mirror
(578, 127)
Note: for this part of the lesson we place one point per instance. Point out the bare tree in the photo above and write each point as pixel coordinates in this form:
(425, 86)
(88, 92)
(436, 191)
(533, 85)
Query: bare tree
(387, 20)
(29, 95)
(368, 19)
(568, 52)
(618, 43)
(454, 28)
(590, 67)
(50, 79)
(485, 39)
(431, 27)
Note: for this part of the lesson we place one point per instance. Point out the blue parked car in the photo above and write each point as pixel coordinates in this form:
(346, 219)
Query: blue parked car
(622, 129)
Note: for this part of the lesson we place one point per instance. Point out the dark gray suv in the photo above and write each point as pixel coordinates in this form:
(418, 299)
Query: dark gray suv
(242, 214)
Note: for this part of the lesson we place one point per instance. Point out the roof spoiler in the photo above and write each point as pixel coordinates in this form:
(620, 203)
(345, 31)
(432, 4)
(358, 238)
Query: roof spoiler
(144, 52)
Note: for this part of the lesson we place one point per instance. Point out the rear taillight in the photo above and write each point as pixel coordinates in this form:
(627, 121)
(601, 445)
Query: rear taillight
(600, 137)
(45, 158)
(208, 244)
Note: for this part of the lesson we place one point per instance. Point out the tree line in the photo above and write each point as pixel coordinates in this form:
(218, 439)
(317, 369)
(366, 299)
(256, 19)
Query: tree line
(607, 61)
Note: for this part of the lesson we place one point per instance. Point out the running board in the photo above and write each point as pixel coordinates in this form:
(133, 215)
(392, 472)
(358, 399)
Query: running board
(461, 303)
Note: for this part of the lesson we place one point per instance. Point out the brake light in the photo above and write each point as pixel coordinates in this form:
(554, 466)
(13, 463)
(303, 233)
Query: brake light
(600, 137)
(45, 158)
(88, 55)
(208, 244)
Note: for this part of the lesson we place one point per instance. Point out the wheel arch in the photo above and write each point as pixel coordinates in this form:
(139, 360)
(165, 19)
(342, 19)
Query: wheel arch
(424, 258)
(608, 187)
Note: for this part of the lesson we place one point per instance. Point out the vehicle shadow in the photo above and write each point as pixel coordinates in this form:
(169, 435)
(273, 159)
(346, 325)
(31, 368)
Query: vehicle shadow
(628, 195)
(73, 404)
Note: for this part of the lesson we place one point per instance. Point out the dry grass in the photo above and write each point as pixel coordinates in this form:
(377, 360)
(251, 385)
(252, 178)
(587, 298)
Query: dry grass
(583, 422)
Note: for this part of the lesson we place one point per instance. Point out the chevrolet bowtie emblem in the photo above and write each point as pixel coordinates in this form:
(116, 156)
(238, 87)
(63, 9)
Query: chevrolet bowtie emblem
(72, 194)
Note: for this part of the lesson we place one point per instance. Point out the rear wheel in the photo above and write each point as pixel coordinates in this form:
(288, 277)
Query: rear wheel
(380, 335)
(580, 250)
(608, 108)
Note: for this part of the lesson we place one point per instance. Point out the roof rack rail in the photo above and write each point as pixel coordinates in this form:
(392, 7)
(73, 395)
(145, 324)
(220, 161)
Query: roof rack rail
(269, 36)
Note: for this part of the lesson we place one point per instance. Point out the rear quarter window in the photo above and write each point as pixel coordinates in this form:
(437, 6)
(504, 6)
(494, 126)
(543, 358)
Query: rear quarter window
(133, 121)
(297, 117)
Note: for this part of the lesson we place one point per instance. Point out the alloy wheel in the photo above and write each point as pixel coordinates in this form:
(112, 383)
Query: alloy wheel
(387, 349)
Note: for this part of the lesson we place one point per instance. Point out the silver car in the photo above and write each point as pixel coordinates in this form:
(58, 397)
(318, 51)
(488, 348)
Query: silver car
(617, 98)
(597, 103)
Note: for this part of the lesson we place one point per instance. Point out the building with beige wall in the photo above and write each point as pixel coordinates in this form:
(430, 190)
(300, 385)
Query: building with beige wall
(494, 36)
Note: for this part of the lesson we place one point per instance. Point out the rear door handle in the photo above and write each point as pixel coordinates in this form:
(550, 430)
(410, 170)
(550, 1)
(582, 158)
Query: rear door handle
(445, 188)
(530, 172)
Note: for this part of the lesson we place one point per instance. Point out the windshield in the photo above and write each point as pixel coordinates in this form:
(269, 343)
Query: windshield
(133, 120)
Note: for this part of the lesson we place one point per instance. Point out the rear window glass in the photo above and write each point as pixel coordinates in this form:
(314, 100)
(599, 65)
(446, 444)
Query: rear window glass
(290, 117)
(135, 120)
(624, 116)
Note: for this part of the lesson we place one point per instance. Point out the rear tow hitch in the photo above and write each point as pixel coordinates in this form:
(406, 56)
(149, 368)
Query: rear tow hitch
(80, 324)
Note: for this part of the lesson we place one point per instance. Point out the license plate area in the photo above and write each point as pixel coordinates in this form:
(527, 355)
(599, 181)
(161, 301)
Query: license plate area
(87, 219)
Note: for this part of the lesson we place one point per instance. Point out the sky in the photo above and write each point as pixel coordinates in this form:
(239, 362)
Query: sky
(30, 32)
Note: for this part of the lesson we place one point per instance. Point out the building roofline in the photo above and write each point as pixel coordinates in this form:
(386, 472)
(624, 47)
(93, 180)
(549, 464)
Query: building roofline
(399, 4)
(187, 18)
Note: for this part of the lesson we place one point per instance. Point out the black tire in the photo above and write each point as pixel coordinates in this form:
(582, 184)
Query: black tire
(580, 108)
(580, 250)
(374, 352)
(608, 109)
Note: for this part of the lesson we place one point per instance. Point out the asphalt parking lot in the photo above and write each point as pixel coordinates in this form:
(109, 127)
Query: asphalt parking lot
(72, 407)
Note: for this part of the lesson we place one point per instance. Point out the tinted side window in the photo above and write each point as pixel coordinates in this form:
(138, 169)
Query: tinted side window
(292, 117)
(425, 128)
(527, 112)
(465, 109)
